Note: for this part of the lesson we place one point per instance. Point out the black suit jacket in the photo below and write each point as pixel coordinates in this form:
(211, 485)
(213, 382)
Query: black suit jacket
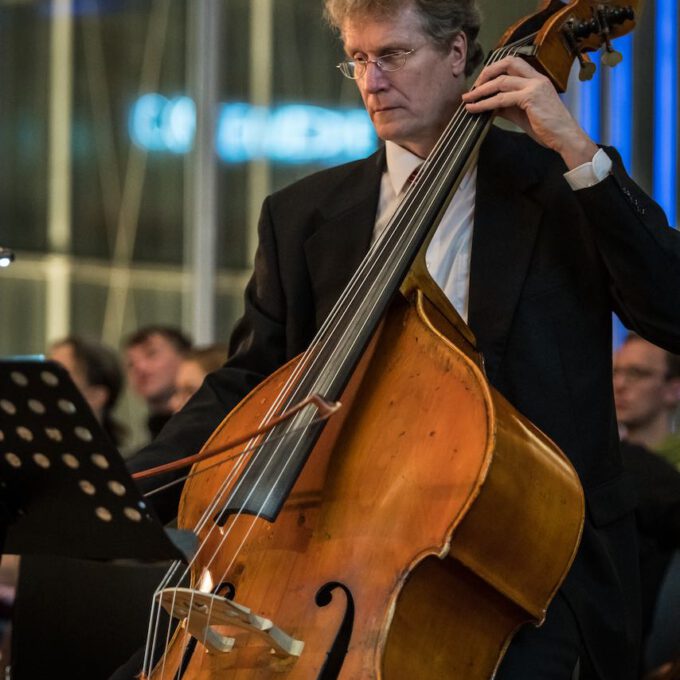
(548, 267)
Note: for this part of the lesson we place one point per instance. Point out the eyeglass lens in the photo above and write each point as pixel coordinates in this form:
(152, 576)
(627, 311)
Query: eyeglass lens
(355, 68)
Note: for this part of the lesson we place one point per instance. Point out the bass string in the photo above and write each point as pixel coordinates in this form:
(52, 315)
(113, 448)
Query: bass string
(310, 358)
(411, 197)
(154, 620)
(257, 482)
(430, 176)
(499, 55)
(206, 515)
(322, 343)
(389, 268)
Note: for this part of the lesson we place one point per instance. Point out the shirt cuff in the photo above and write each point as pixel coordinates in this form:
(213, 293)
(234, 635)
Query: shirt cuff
(590, 174)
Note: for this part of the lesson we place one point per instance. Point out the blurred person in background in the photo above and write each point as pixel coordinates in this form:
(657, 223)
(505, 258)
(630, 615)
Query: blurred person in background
(97, 372)
(647, 395)
(657, 516)
(197, 363)
(153, 355)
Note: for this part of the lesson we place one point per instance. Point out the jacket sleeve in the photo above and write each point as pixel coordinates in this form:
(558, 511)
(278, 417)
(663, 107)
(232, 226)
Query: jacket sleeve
(640, 252)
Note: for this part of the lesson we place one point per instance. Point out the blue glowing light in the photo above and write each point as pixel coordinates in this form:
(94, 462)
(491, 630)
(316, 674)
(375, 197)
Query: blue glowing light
(665, 107)
(621, 102)
(161, 124)
(620, 124)
(590, 104)
(292, 133)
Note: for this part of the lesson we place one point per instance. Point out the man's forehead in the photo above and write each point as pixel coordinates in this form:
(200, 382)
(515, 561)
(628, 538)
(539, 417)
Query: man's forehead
(375, 31)
(151, 342)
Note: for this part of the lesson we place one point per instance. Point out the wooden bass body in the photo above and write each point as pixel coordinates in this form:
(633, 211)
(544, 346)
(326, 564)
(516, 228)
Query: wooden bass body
(429, 523)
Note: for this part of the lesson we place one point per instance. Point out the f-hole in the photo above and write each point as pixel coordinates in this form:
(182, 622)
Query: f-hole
(336, 655)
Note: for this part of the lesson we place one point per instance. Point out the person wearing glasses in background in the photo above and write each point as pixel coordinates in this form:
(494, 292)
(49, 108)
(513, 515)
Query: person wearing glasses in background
(647, 396)
(657, 515)
(545, 235)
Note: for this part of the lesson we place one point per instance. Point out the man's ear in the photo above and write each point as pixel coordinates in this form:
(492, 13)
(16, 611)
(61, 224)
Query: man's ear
(458, 54)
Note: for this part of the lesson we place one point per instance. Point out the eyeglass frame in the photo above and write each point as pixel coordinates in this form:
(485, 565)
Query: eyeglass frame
(344, 66)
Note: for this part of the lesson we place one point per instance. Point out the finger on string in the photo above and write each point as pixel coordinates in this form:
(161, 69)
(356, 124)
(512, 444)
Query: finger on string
(511, 65)
(503, 83)
(501, 100)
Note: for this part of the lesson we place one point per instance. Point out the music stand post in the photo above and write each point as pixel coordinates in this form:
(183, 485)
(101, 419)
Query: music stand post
(65, 488)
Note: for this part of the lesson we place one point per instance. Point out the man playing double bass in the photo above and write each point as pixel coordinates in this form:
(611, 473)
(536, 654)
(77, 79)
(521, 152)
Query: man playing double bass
(545, 236)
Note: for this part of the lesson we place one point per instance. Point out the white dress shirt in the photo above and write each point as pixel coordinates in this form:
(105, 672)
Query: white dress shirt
(449, 252)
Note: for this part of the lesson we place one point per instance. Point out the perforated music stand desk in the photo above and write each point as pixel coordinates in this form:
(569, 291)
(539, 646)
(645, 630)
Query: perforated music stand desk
(64, 482)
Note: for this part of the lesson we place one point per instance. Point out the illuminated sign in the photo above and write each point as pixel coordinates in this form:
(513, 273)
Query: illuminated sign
(291, 133)
(161, 124)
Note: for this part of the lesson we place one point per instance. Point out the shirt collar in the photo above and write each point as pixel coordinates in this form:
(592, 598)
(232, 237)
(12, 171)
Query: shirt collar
(400, 164)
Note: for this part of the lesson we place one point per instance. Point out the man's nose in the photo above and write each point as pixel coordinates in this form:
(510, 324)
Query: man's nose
(375, 78)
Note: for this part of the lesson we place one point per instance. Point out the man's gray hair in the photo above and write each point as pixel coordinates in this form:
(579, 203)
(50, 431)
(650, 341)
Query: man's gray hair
(442, 20)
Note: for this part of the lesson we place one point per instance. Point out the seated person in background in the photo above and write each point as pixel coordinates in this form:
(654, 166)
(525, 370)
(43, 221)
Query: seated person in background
(647, 395)
(193, 368)
(153, 355)
(97, 373)
(197, 363)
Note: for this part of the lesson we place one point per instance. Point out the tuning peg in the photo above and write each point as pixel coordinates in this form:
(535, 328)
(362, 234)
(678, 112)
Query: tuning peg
(611, 57)
(605, 17)
(584, 29)
(587, 68)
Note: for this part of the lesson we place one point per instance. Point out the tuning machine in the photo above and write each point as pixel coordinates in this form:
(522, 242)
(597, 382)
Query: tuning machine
(601, 23)
(610, 56)
(573, 32)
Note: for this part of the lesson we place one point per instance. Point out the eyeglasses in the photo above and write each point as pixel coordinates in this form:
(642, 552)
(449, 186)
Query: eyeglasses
(356, 68)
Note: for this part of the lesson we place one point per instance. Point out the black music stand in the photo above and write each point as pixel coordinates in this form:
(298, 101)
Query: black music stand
(63, 485)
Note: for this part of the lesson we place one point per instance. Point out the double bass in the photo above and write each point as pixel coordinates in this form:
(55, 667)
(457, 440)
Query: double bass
(390, 515)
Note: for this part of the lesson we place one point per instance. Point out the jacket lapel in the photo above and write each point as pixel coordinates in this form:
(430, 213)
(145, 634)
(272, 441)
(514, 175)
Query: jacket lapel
(336, 248)
(505, 228)
(506, 224)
